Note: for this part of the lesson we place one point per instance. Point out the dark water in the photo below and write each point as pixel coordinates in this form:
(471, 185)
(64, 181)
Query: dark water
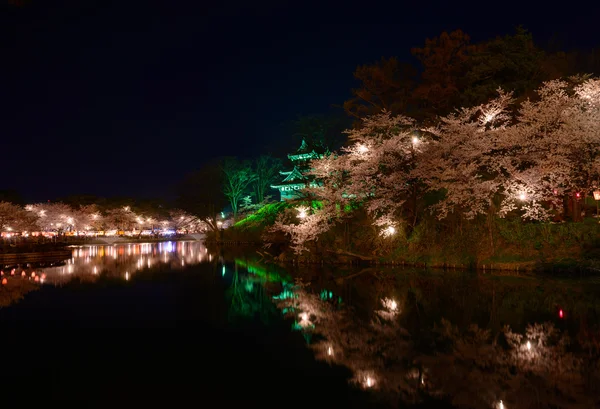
(173, 324)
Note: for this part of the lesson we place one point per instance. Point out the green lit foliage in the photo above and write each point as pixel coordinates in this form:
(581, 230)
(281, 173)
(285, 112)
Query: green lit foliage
(264, 216)
(248, 297)
(266, 274)
(265, 170)
(237, 177)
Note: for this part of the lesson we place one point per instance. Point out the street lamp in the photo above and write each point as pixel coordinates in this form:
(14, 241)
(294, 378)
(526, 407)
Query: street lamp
(597, 198)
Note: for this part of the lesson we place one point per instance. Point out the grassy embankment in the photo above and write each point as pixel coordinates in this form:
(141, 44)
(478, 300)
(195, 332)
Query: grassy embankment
(485, 243)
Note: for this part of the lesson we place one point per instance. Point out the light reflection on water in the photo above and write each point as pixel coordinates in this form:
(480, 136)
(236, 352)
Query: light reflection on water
(125, 260)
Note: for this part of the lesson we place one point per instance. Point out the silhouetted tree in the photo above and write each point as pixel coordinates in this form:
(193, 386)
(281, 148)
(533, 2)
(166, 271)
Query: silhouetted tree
(512, 62)
(444, 60)
(386, 84)
(201, 194)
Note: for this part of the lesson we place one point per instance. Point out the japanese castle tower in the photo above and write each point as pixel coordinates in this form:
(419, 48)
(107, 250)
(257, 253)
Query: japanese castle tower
(295, 180)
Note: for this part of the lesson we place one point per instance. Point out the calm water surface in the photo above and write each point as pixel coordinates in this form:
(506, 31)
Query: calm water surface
(173, 321)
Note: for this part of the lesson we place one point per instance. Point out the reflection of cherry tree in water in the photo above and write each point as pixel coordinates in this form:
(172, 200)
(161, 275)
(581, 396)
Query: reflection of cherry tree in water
(405, 357)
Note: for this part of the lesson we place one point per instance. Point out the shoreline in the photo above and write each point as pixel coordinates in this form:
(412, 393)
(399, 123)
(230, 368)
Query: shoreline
(524, 267)
(60, 251)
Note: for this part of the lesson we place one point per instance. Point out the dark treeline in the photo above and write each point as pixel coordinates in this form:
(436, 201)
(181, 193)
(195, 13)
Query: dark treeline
(451, 71)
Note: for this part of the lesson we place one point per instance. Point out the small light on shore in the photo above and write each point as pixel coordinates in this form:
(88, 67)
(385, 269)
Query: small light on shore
(523, 197)
(561, 314)
(369, 382)
(501, 405)
(393, 305)
(127, 275)
(528, 346)
(302, 211)
(329, 351)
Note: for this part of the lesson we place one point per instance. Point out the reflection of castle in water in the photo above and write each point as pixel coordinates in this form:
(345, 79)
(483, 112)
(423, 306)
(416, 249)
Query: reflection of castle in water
(124, 260)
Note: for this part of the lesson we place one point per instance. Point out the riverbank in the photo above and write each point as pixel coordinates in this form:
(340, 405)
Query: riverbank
(485, 244)
(128, 240)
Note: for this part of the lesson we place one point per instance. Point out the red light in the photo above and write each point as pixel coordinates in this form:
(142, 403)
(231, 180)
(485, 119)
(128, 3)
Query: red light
(561, 314)
(577, 194)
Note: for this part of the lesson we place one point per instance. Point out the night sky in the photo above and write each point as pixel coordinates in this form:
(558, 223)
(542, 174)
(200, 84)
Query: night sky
(110, 99)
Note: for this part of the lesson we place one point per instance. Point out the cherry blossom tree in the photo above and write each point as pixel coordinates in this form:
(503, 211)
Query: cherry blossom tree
(13, 218)
(182, 220)
(120, 218)
(375, 172)
(555, 147)
(57, 217)
(467, 159)
(89, 217)
(495, 159)
(304, 226)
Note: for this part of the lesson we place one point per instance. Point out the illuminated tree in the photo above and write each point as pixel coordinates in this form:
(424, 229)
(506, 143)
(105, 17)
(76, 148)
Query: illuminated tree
(466, 159)
(529, 160)
(13, 218)
(374, 173)
(554, 148)
(303, 227)
(57, 217)
(120, 218)
(89, 217)
(237, 177)
(182, 220)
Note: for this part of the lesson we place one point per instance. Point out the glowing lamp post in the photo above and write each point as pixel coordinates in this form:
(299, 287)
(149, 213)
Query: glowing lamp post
(597, 199)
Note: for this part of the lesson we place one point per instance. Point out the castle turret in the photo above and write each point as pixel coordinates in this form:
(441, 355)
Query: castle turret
(297, 179)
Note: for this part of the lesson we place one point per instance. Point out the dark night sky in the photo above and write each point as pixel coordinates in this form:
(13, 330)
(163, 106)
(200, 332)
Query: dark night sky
(124, 100)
